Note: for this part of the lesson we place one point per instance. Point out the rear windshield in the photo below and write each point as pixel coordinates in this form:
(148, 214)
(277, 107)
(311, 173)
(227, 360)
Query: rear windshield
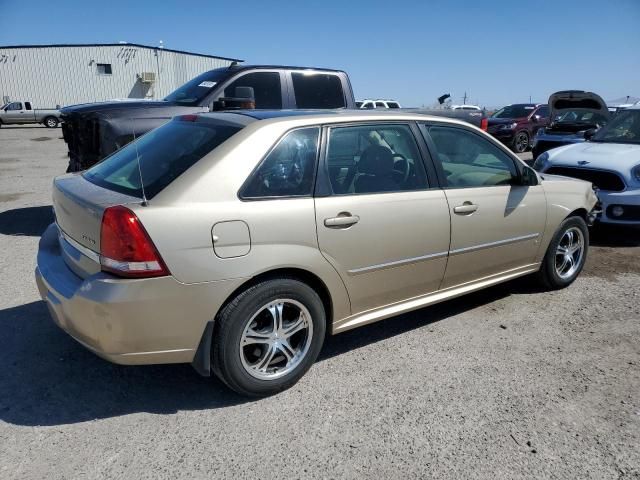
(514, 111)
(165, 153)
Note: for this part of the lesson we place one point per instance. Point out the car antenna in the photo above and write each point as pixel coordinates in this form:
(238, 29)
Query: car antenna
(144, 196)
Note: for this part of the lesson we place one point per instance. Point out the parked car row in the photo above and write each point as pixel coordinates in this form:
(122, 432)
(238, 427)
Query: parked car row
(609, 158)
(372, 104)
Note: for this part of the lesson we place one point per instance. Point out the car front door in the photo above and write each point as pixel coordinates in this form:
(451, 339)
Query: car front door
(497, 222)
(382, 222)
(14, 113)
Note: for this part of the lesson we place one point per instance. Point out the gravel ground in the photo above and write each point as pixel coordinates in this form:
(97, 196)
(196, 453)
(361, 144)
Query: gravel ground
(507, 383)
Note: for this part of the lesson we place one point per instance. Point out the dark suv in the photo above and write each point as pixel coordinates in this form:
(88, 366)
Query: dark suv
(515, 125)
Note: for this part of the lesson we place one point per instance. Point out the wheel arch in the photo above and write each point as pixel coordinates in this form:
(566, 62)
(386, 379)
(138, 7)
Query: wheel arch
(202, 358)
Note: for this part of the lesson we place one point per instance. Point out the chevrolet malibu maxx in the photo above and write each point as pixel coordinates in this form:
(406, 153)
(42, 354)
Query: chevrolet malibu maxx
(237, 241)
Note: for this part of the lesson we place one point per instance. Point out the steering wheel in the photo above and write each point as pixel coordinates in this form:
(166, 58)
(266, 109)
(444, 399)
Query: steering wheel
(401, 173)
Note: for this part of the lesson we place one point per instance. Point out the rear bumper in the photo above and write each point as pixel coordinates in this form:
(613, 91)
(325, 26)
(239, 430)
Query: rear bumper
(127, 321)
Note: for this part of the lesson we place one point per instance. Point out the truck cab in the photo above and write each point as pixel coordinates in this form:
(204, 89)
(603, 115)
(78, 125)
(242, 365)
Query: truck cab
(93, 131)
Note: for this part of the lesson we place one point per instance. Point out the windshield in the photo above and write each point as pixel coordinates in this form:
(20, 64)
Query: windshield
(624, 128)
(164, 154)
(192, 92)
(514, 111)
(581, 116)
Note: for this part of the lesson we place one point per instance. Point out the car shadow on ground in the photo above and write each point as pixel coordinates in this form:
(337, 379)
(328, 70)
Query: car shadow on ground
(28, 221)
(49, 379)
(614, 236)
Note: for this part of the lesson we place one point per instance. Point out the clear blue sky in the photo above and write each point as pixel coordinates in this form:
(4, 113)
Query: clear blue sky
(498, 51)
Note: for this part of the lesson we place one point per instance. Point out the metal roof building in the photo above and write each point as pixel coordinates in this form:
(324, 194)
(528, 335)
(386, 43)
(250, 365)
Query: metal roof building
(50, 75)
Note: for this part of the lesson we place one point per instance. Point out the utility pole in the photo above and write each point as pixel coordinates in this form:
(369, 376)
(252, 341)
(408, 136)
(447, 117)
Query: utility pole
(464, 99)
(529, 98)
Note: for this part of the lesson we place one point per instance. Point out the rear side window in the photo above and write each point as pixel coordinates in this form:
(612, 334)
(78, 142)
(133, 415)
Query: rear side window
(165, 153)
(27, 105)
(393, 105)
(266, 88)
(318, 90)
(288, 170)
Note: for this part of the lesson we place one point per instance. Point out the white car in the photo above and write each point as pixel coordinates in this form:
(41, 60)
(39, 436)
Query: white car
(371, 104)
(610, 159)
(466, 107)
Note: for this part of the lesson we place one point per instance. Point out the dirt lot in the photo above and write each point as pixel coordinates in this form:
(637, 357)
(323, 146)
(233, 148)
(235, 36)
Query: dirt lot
(507, 383)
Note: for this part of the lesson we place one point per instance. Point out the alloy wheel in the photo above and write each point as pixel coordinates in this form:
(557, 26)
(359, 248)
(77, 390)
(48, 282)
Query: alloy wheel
(569, 253)
(276, 339)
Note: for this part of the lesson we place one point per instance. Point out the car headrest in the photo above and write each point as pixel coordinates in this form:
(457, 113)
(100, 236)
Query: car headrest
(376, 160)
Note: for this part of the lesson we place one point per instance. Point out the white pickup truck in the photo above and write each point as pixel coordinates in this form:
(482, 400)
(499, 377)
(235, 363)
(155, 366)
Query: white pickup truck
(22, 112)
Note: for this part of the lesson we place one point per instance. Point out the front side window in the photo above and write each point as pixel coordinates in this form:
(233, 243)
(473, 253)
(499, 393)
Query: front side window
(14, 106)
(374, 159)
(469, 160)
(266, 88)
(393, 105)
(288, 170)
(318, 90)
(163, 155)
(380, 105)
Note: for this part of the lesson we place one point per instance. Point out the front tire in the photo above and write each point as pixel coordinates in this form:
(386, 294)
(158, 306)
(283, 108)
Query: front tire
(566, 254)
(520, 142)
(50, 122)
(268, 336)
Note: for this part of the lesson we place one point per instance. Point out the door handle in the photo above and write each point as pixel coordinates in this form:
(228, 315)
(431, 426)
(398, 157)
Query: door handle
(466, 208)
(343, 220)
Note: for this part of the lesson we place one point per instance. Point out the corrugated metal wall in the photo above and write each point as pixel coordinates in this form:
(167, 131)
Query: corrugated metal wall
(50, 76)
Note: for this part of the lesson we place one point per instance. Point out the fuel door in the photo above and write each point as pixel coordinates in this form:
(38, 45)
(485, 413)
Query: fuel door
(231, 239)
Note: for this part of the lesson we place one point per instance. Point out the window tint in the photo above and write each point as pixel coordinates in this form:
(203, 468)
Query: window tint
(103, 68)
(266, 88)
(380, 105)
(165, 153)
(27, 105)
(369, 105)
(373, 159)
(393, 105)
(469, 160)
(15, 106)
(318, 90)
(288, 170)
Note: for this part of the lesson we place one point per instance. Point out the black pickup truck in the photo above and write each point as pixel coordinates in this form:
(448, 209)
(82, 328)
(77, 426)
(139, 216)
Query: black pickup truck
(94, 130)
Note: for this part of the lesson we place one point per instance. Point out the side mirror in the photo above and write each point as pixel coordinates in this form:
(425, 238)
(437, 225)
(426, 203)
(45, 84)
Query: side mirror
(528, 178)
(244, 99)
(588, 134)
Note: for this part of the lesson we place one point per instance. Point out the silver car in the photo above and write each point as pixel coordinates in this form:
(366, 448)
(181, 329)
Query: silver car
(238, 241)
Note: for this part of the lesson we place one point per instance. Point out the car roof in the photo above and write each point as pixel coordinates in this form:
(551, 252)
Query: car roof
(328, 116)
(239, 67)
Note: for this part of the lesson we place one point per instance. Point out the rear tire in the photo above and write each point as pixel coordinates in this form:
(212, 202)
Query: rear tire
(253, 349)
(50, 122)
(566, 254)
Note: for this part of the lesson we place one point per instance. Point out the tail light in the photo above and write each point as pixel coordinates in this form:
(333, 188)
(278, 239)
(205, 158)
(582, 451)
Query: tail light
(484, 124)
(125, 247)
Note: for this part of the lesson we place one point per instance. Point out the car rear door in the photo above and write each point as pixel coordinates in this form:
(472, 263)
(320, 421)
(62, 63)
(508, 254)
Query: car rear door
(496, 222)
(382, 222)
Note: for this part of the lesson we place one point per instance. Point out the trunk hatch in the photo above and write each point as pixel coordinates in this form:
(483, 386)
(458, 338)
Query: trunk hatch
(78, 206)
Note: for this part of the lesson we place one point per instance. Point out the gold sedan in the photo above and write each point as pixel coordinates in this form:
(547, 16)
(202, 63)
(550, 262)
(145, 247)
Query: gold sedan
(238, 241)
